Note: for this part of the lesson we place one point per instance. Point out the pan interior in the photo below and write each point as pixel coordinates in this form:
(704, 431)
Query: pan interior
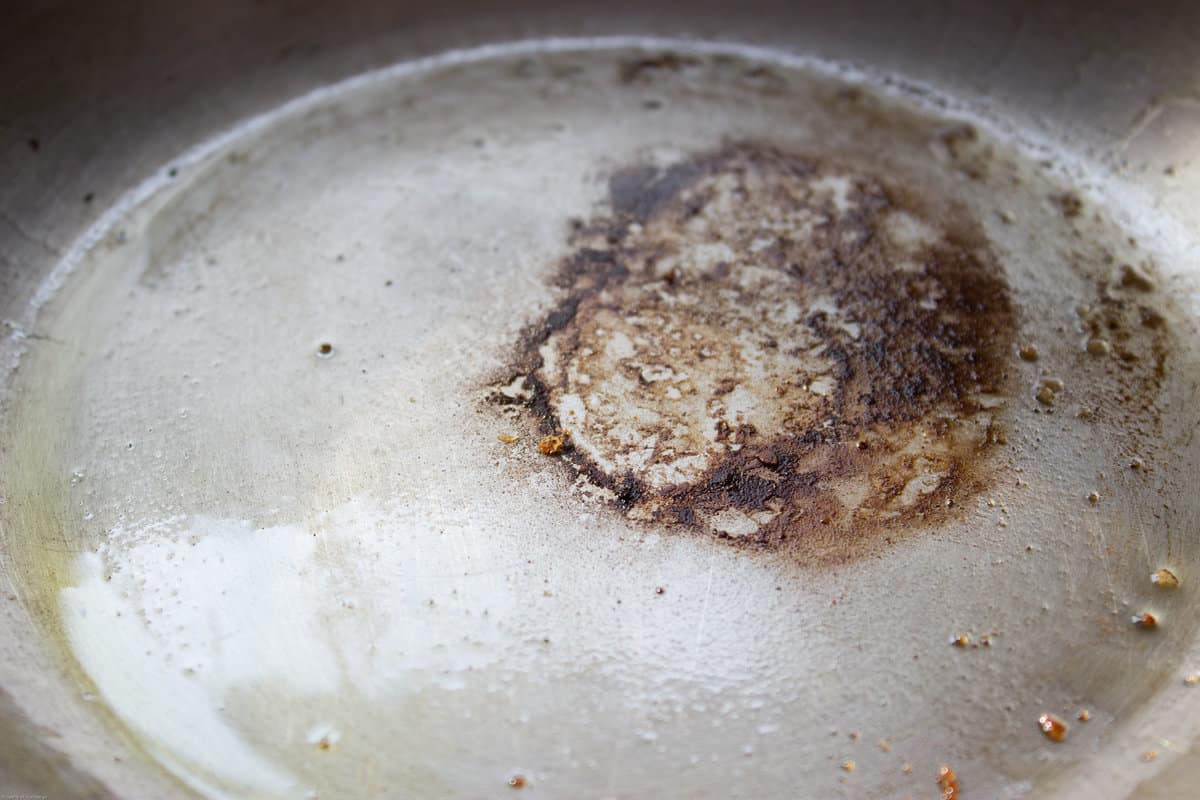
(845, 377)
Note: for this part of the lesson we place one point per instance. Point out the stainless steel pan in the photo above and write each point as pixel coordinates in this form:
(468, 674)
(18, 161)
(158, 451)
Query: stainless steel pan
(598, 401)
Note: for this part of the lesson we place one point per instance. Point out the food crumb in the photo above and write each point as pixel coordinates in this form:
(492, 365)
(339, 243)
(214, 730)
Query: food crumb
(1084, 715)
(1145, 621)
(948, 782)
(848, 765)
(1136, 463)
(508, 438)
(1149, 756)
(1054, 728)
(1094, 497)
(325, 349)
(906, 769)
(1192, 680)
(1165, 578)
(1028, 352)
(884, 746)
(659, 590)
(961, 640)
(517, 781)
(554, 445)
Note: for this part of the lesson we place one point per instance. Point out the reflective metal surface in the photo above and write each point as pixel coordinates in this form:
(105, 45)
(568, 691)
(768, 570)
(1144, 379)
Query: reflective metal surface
(871, 333)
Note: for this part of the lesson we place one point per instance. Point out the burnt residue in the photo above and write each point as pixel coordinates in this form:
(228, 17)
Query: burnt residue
(773, 349)
(637, 68)
(1127, 336)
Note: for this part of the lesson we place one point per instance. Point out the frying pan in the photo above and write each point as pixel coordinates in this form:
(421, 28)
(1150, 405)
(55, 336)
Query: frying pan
(598, 400)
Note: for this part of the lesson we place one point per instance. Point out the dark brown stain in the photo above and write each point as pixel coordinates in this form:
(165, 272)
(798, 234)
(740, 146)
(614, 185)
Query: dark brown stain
(774, 350)
(634, 69)
(1127, 315)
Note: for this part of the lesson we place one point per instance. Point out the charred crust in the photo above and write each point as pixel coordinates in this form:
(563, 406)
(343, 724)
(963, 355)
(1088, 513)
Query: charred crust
(908, 338)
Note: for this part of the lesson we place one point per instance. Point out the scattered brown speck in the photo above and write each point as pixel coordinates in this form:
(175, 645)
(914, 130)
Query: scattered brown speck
(947, 782)
(1045, 395)
(508, 438)
(659, 590)
(518, 782)
(1136, 463)
(1132, 277)
(34, 144)
(1093, 497)
(325, 349)
(1028, 352)
(1098, 346)
(1146, 621)
(1165, 579)
(1053, 727)
(1069, 204)
(324, 744)
(1084, 715)
(554, 445)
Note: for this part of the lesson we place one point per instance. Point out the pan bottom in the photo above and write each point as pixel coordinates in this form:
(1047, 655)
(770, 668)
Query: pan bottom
(871, 437)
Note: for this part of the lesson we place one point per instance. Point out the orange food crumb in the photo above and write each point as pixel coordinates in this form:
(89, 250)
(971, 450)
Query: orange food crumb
(554, 445)
(1165, 579)
(1084, 715)
(517, 781)
(906, 769)
(1149, 755)
(1146, 621)
(848, 765)
(948, 782)
(960, 641)
(1054, 728)
(884, 746)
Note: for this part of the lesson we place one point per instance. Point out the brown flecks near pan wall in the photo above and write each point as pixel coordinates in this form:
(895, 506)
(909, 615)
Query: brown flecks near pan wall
(775, 350)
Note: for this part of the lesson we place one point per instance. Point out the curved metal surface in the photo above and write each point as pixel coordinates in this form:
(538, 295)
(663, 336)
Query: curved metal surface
(99, 100)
